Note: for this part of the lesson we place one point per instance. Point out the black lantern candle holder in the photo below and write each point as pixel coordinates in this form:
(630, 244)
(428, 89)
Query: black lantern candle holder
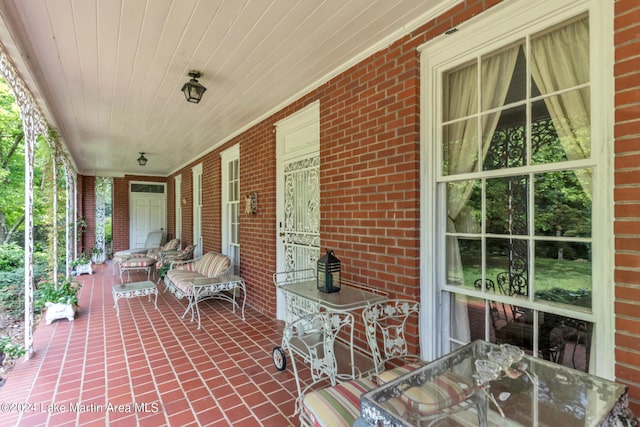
(328, 279)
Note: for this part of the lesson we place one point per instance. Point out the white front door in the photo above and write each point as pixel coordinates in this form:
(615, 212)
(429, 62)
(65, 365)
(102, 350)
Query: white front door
(197, 210)
(298, 193)
(147, 213)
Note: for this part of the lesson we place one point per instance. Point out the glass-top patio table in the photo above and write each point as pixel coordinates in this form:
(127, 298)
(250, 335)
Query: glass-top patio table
(349, 298)
(487, 384)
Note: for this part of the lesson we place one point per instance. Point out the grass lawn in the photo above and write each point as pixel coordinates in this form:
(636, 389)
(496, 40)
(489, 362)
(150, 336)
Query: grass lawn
(549, 274)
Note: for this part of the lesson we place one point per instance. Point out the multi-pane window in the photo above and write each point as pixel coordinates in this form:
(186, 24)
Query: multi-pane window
(233, 204)
(515, 185)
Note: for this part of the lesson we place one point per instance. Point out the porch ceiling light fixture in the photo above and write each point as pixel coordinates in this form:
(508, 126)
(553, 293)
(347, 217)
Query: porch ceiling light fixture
(192, 89)
(142, 160)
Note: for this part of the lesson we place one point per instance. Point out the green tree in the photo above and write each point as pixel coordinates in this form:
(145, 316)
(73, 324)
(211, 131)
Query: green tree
(11, 166)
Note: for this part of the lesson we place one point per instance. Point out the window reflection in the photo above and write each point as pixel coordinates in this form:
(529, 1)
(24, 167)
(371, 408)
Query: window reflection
(507, 205)
(563, 273)
(565, 341)
(562, 204)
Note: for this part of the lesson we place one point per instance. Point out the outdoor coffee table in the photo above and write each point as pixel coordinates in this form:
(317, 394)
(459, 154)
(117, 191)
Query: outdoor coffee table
(135, 289)
(526, 392)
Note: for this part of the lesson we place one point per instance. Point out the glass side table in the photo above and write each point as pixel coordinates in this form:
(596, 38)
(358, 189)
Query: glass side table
(487, 384)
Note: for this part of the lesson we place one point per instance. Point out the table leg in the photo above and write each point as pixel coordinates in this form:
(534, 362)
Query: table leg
(244, 297)
(115, 301)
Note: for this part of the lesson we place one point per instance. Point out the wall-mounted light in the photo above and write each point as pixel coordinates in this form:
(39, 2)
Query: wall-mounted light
(192, 89)
(142, 160)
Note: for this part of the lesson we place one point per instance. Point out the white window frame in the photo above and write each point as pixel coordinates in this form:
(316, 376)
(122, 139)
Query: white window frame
(196, 172)
(228, 156)
(178, 206)
(501, 25)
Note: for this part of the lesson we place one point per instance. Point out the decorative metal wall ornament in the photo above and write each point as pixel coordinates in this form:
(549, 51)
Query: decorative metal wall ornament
(251, 204)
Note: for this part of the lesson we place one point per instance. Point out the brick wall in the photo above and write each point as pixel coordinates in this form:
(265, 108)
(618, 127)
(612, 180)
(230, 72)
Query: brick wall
(120, 212)
(211, 215)
(370, 177)
(627, 195)
(369, 171)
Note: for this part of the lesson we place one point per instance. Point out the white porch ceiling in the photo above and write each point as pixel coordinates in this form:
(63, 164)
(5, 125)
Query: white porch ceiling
(108, 73)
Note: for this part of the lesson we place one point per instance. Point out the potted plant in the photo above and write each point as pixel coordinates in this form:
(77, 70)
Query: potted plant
(97, 255)
(60, 301)
(81, 265)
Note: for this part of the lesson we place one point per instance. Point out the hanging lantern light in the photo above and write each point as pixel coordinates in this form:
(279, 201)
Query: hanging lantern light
(142, 160)
(328, 279)
(192, 89)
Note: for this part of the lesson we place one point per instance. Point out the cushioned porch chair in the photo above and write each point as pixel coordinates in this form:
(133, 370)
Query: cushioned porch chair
(386, 326)
(207, 277)
(154, 241)
(312, 338)
(165, 258)
(385, 323)
(182, 273)
(144, 260)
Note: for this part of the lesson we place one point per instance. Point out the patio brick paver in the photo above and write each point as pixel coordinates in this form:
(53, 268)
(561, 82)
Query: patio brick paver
(159, 368)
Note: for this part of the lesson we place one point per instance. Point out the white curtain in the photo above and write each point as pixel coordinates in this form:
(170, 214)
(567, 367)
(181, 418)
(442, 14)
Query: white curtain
(560, 59)
(463, 153)
(461, 138)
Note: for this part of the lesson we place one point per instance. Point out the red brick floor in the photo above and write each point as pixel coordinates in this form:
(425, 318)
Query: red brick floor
(149, 367)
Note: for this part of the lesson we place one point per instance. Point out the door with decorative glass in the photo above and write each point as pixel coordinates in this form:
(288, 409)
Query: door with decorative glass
(298, 193)
(514, 238)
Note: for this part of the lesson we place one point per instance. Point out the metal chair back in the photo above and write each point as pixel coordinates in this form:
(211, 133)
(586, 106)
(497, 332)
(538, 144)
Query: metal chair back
(386, 330)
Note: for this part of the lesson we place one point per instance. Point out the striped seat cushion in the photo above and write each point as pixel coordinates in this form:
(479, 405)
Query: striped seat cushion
(182, 278)
(138, 262)
(392, 374)
(171, 245)
(340, 405)
(212, 264)
(444, 391)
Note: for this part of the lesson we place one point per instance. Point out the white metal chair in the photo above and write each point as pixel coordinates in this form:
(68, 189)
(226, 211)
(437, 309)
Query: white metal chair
(339, 404)
(386, 330)
(312, 338)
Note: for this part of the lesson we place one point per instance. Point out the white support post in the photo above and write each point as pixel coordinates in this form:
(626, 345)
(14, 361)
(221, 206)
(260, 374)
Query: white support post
(54, 164)
(29, 145)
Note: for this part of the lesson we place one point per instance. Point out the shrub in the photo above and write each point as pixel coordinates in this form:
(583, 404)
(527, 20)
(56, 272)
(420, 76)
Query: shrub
(10, 349)
(11, 256)
(12, 291)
